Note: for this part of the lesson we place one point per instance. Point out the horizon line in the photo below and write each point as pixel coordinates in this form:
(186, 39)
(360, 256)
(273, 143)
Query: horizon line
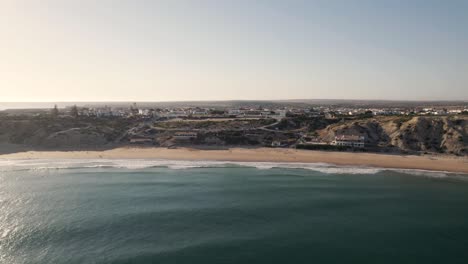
(241, 100)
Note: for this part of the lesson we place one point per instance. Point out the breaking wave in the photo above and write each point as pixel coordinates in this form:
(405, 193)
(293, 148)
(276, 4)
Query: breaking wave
(140, 164)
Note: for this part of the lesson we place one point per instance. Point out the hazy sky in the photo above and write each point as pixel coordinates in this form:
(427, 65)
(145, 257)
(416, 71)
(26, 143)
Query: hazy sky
(142, 50)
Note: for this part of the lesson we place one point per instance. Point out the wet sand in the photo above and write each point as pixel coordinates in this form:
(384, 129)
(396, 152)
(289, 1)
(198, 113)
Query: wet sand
(434, 163)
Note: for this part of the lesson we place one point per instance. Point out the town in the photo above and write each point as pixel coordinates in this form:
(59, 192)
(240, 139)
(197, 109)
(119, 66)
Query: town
(401, 128)
(257, 111)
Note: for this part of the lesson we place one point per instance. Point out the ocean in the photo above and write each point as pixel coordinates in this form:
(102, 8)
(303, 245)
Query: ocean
(156, 211)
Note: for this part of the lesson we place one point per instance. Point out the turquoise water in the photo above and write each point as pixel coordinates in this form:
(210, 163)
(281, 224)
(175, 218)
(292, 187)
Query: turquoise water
(230, 214)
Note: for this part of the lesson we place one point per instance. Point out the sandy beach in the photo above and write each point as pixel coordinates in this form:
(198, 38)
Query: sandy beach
(434, 163)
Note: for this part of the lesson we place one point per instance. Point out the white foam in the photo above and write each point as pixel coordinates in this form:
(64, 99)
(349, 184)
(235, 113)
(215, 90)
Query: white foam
(433, 174)
(139, 164)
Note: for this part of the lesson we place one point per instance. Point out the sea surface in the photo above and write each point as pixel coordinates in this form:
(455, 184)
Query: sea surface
(150, 211)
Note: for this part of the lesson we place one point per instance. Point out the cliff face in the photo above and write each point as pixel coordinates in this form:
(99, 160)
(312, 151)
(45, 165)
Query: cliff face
(390, 134)
(407, 134)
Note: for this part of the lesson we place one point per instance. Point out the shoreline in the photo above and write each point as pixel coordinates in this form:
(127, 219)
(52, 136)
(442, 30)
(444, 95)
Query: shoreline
(391, 161)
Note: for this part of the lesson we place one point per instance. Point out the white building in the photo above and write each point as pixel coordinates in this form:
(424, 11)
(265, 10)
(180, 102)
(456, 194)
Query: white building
(185, 135)
(175, 113)
(235, 112)
(144, 112)
(103, 112)
(199, 112)
(281, 113)
(349, 141)
(455, 111)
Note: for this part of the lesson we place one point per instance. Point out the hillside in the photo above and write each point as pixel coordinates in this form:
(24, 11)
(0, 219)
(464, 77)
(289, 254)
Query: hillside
(393, 134)
(407, 134)
(60, 133)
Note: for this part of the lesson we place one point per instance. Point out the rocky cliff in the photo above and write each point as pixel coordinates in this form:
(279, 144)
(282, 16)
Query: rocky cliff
(407, 134)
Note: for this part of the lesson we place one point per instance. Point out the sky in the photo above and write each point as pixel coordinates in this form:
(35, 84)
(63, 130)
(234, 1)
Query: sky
(174, 50)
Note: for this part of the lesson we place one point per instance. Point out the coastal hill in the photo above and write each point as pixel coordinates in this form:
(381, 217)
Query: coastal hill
(391, 134)
(407, 134)
(27, 133)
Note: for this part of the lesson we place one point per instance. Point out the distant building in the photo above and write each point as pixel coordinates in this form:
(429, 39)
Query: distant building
(312, 141)
(279, 143)
(199, 112)
(281, 113)
(144, 112)
(349, 141)
(175, 113)
(104, 112)
(185, 135)
(235, 112)
(253, 113)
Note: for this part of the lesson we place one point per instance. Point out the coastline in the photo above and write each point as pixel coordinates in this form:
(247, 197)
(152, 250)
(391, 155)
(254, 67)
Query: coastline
(430, 163)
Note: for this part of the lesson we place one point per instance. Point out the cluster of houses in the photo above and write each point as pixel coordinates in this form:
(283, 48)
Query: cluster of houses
(348, 141)
(255, 113)
(395, 111)
(134, 112)
(344, 141)
(259, 112)
(181, 112)
(442, 111)
(353, 141)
